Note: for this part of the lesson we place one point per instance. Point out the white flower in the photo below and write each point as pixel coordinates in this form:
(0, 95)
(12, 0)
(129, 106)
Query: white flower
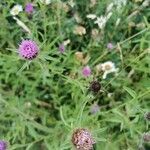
(109, 15)
(46, 2)
(146, 3)
(91, 16)
(21, 24)
(16, 9)
(107, 67)
(109, 7)
(101, 21)
(66, 42)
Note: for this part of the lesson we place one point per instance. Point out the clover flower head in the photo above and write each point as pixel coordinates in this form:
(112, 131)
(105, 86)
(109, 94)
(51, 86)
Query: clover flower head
(82, 139)
(86, 71)
(16, 9)
(3, 145)
(28, 49)
(29, 8)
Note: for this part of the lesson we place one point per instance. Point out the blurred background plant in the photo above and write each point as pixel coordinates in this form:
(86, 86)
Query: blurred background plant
(43, 100)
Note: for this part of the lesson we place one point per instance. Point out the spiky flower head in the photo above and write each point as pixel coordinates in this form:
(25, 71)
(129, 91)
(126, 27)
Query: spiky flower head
(82, 139)
(95, 86)
(3, 145)
(86, 71)
(29, 8)
(28, 49)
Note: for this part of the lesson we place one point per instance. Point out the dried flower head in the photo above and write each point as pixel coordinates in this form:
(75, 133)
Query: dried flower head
(29, 8)
(147, 116)
(16, 9)
(79, 30)
(146, 137)
(86, 71)
(28, 49)
(3, 145)
(95, 86)
(82, 139)
(79, 56)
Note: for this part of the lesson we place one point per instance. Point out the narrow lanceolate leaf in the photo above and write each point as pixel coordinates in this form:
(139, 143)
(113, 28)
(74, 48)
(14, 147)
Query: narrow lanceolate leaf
(131, 92)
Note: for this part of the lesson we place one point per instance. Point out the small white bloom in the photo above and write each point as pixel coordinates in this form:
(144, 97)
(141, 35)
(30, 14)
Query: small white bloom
(91, 16)
(101, 21)
(109, 7)
(46, 2)
(107, 67)
(66, 42)
(109, 15)
(146, 3)
(110, 95)
(21, 24)
(16, 9)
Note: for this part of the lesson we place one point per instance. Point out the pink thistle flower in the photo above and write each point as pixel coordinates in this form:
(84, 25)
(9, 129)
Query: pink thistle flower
(86, 71)
(110, 46)
(3, 145)
(28, 49)
(29, 8)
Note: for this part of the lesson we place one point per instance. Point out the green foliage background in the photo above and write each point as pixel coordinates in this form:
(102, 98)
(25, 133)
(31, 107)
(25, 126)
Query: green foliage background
(41, 104)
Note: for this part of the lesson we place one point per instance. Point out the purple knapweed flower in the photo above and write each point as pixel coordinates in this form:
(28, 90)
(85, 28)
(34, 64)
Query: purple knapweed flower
(86, 71)
(61, 48)
(110, 46)
(29, 8)
(3, 145)
(28, 49)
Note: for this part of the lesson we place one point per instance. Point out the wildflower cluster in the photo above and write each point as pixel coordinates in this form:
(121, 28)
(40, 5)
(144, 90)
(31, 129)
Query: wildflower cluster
(74, 74)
